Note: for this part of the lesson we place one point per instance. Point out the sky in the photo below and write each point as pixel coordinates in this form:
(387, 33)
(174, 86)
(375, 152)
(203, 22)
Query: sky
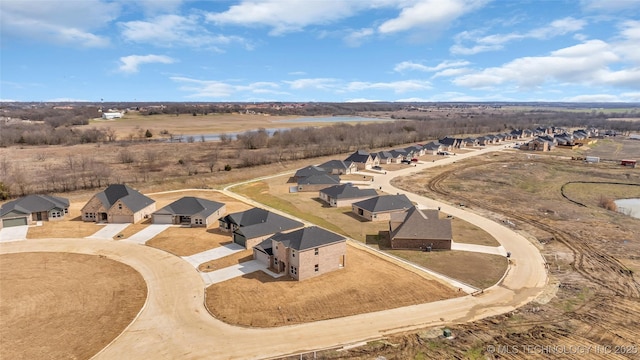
(320, 50)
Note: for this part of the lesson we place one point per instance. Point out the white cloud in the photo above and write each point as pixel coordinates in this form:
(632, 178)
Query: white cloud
(593, 98)
(361, 100)
(63, 22)
(496, 41)
(631, 96)
(429, 14)
(356, 38)
(395, 86)
(587, 63)
(154, 7)
(452, 72)
(284, 15)
(410, 65)
(213, 89)
(174, 30)
(609, 5)
(316, 83)
(131, 63)
(66, 100)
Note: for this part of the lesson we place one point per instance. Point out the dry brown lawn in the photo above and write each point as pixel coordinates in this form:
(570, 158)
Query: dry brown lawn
(185, 241)
(366, 284)
(69, 226)
(64, 306)
(464, 232)
(234, 259)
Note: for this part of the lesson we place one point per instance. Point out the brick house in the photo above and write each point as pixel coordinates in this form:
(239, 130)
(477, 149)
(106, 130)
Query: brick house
(345, 194)
(380, 208)
(303, 253)
(118, 203)
(31, 208)
(251, 227)
(420, 229)
(190, 211)
(362, 159)
(339, 167)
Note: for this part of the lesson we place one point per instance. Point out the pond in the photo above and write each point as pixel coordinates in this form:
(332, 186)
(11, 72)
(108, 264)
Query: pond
(629, 207)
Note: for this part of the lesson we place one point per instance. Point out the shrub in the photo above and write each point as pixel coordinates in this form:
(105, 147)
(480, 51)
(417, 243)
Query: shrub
(227, 167)
(607, 203)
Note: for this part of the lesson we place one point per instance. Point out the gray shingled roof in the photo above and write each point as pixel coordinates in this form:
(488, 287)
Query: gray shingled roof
(266, 246)
(359, 156)
(259, 222)
(310, 171)
(348, 191)
(134, 200)
(385, 203)
(307, 238)
(34, 203)
(323, 179)
(335, 164)
(423, 224)
(190, 206)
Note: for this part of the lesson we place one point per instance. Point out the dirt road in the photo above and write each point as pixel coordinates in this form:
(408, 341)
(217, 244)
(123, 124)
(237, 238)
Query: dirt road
(175, 324)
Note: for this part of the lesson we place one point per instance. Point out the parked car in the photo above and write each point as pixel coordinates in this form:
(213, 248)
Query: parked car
(376, 167)
(414, 160)
(406, 162)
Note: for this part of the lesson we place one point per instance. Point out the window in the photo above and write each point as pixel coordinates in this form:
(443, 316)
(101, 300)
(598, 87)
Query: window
(198, 221)
(275, 262)
(294, 270)
(293, 253)
(119, 206)
(317, 268)
(316, 251)
(66, 211)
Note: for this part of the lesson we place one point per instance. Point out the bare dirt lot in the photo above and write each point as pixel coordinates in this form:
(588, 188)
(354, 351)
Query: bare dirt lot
(64, 306)
(366, 284)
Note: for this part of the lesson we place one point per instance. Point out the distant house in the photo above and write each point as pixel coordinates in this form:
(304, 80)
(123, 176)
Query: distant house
(339, 167)
(190, 211)
(420, 229)
(432, 148)
(118, 204)
(111, 115)
(345, 194)
(539, 144)
(362, 159)
(470, 141)
(251, 227)
(380, 208)
(450, 142)
(31, 208)
(383, 157)
(317, 182)
(303, 253)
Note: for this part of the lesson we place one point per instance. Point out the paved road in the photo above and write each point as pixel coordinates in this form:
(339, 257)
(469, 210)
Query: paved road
(175, 324)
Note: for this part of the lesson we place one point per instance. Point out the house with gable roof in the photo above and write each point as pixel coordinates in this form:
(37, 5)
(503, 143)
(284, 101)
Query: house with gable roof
(31, 208)
(362, 159)
(317, 182)
(381, 207)
(190, 211)
(420, 229)
(339, 167)
(303, 253)
(345, 194)
(251, 227)
(118, 203)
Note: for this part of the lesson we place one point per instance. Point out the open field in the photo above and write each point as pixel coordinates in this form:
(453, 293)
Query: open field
(64, 306)
(214, 123)
(366, 284)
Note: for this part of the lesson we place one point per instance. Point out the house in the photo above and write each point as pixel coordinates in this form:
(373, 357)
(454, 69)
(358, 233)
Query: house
(383, 157)
(118, 203)
(362, 159)
(338, 167)
(308, 171)
(470, 141)
(303, 253)
(451, 143)
(251, 227)
(380, 208)
(432, 148)
(539, 144)
(31, 208)
(111, 115)
(345, 194)
(190, 211)
(317, 182)
(420, 229)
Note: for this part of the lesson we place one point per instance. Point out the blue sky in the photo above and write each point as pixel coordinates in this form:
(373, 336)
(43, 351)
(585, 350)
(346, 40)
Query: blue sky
(320, 50)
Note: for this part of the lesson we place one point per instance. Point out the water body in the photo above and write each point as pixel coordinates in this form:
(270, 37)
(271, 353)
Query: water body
(629, 207)
(271, 131)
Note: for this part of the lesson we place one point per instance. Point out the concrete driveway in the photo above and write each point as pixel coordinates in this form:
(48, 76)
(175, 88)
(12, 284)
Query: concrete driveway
(108, 231)
(213, 254)
(234, 271)
(493, 250)
(146, 234)
(14, 233)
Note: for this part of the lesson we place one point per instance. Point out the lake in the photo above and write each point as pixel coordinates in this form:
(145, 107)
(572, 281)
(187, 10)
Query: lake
(629, 207)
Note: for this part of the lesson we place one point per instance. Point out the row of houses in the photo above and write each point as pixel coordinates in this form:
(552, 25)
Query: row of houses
(561, 137)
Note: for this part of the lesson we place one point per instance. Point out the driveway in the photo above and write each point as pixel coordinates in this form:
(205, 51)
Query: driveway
(213, 254)
(14, 233)
(108, 231)
(493, 250)
(146, 234)
(234, 271)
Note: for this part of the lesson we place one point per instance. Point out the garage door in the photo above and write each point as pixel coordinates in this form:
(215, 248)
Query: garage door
(122, 219)
(14, 222)
(239, 239)
(163, 219)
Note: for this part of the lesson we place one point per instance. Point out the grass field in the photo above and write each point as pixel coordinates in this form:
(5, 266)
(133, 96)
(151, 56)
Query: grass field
(64, 306)
(366, 284)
